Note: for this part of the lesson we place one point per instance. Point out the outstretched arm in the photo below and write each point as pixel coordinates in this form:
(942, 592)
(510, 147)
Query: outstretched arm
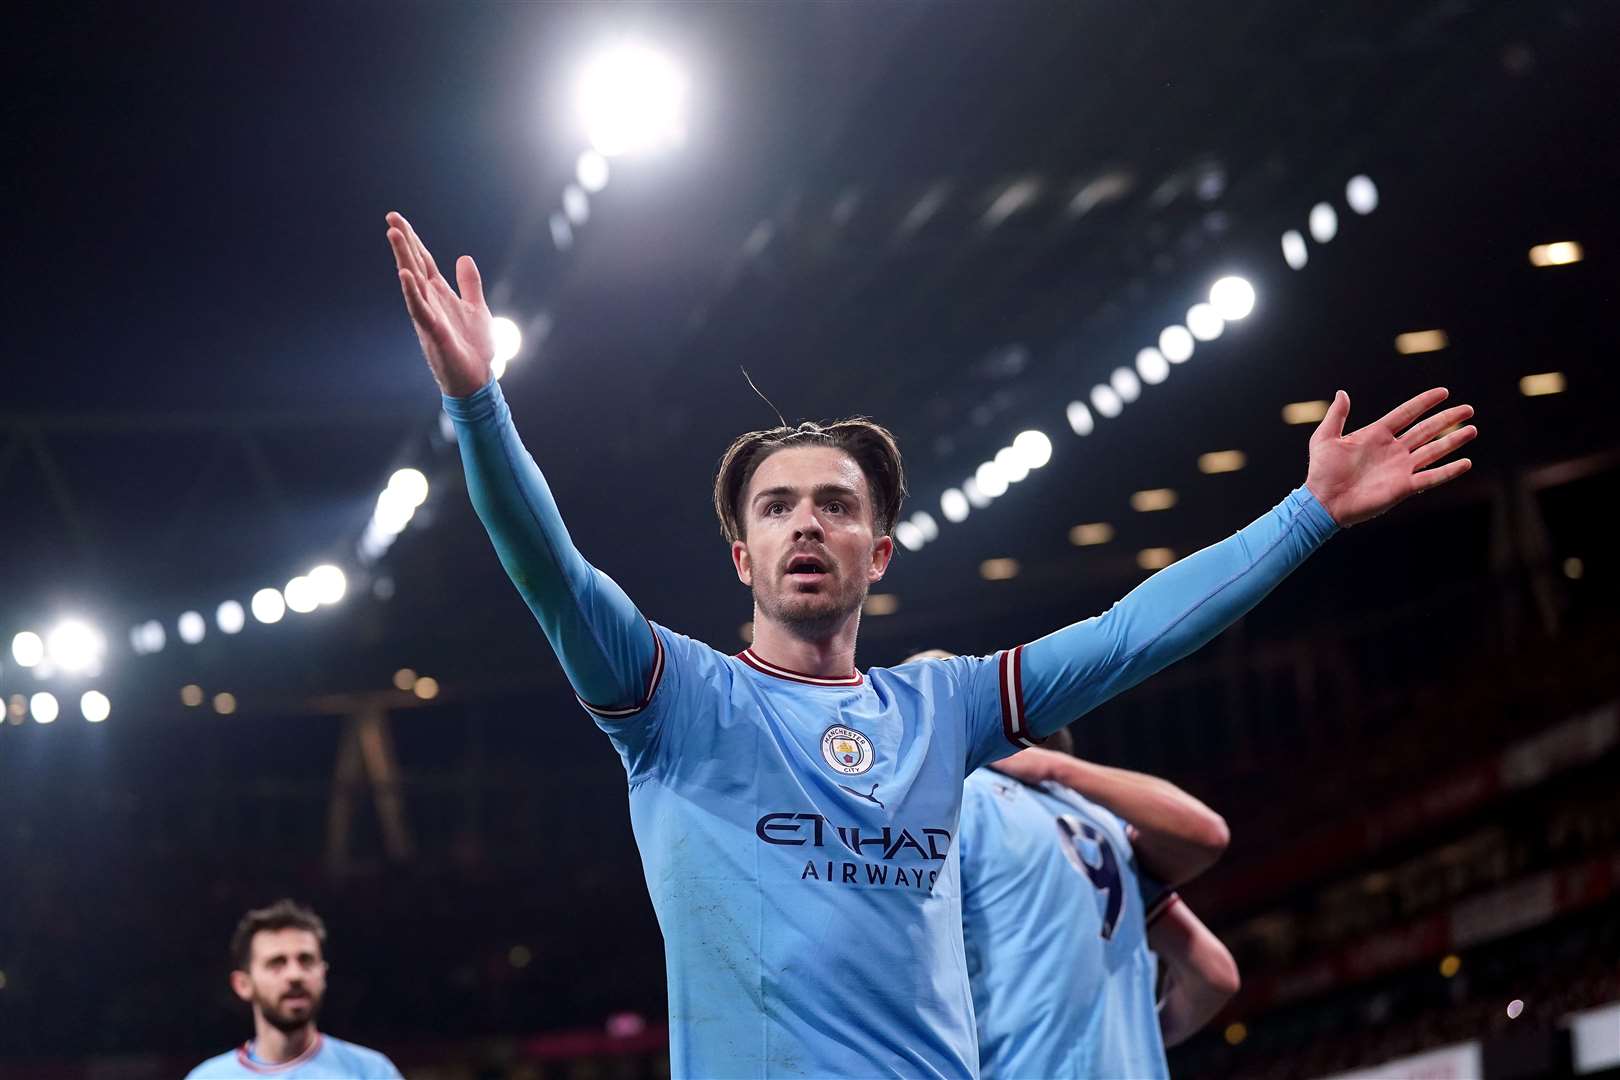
(1351, 478)
(606, 648)
(1175, 836)
(1201, 976)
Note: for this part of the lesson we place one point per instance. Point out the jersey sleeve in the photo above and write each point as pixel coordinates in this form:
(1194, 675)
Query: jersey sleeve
(1051, 682)
(607, 649)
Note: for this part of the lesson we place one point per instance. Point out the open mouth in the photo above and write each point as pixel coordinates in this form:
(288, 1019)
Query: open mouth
(806, 568)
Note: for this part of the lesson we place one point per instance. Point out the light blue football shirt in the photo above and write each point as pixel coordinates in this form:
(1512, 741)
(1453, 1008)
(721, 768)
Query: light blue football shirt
(325, 1059)
(797, 833)
(1055, 915)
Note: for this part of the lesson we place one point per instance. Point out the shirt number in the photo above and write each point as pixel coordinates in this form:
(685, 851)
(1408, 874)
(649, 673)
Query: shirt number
(1104, 877)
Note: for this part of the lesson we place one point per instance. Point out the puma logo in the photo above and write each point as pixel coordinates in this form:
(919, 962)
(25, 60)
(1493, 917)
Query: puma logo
(870, 796)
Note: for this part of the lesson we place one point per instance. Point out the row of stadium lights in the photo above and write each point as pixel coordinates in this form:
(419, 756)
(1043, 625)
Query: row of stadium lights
(1230, 299)
(631, 99)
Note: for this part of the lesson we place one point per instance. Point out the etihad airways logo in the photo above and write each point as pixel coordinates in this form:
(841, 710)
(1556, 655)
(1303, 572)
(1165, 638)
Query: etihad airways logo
(879, 850)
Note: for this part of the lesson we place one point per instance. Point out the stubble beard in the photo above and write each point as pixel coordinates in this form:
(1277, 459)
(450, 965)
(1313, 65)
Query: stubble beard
(814, 621)
(285, 1022)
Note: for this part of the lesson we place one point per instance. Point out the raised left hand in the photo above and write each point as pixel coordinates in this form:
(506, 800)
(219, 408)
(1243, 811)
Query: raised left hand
(1362, 474)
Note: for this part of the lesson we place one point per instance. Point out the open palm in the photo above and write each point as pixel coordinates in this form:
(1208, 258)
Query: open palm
(1362, 474)
(455, 331)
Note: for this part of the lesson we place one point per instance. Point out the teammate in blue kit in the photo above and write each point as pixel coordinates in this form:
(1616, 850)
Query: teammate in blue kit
(279, 971)
(1068, 877)
(795, 816)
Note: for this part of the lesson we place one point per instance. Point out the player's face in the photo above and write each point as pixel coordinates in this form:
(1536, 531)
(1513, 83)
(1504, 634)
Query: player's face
(286, 978)
(810, 554)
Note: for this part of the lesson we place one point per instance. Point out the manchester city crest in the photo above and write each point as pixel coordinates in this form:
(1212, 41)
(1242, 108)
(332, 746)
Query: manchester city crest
(847, 750)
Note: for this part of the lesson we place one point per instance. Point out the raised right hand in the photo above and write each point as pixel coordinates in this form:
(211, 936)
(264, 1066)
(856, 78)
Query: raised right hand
(455, 331)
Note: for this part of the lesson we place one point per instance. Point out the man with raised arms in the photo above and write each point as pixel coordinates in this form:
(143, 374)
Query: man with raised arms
(793, 813)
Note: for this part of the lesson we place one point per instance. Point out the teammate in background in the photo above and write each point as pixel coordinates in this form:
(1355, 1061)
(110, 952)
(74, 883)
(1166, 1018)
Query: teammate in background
(1069, 872)
(279, 971)
(795, 816)
(1066, 902)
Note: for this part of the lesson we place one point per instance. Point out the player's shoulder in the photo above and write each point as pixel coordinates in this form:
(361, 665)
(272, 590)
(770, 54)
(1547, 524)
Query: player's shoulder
(933, 672)
(219, 1067)
(358, 1062)
(1096, 813)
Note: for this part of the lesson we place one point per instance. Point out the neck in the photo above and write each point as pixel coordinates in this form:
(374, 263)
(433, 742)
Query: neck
(829, 657)
(273, 1046)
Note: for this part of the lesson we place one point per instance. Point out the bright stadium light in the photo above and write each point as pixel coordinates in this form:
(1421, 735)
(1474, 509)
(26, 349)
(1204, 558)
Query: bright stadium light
(1362, 194)
(970, 491)
(301, 596)
(1011, 464)
(1294, 250)
(910, 537)
(1106, 402)
(1176, 343)
(330, 584)
(926, 525)
(268, 606)
(393, 513)
(1205, 322)
(591, 171)
(1125, 384)
(954, 505)
(192, 628)
(95, 706)
(44, 707)
(990, 481)
(1323, 222)
(410, 484)
(1034, 447)
(576, 204)
(75, 646)
(632, 99)
(27, 648)
(508, 343)
(147, 638)
(1232, 298)
(230, 618)
(1152, 366)
(1079, 417)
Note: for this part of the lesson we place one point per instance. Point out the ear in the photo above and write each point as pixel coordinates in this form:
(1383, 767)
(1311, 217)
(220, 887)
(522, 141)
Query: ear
(882, 552)
(242, 985)
(744, 564)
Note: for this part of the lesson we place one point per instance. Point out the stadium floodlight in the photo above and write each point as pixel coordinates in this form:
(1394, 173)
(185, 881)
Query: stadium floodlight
(954, 505)
(95, 706)
(1079, 417)
(1232, 298)
(192, 627)
(1152, 366)
(27, 648)
(970, 491)
(268, 606)
(1125, 384)
(393, 513)
(1011, 464)
(926, 525)
(990, 480)
(1034, 446)
(330, 584)
(508, 343)
(230, 618)
(1362, 194)
(591, 171)
(44, 707)
(632, 99)
(1176, 343)
(301, 595)
(410, 484)
(1106, 401)
(910, 537)
(1205, 322)
(576, 204)
(1323, 222)
(75, 646)
(1294, 251)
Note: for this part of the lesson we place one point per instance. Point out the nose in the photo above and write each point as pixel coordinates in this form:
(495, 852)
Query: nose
(806, 526)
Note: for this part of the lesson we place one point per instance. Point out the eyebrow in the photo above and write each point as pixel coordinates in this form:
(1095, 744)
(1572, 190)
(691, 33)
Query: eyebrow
(820, 491)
